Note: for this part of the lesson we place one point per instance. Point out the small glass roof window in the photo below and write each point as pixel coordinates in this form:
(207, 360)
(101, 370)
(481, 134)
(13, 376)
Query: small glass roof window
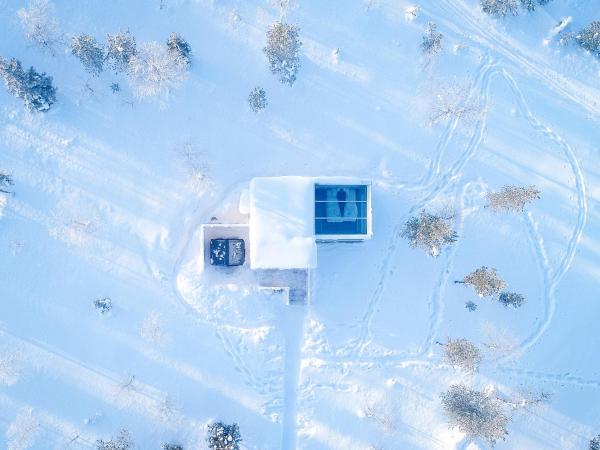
(341, 210)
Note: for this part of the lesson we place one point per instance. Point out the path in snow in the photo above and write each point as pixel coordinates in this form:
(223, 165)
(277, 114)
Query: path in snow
(292, 325)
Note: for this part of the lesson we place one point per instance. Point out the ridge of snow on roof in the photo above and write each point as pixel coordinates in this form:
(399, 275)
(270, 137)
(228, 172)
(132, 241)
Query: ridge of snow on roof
(281, 223)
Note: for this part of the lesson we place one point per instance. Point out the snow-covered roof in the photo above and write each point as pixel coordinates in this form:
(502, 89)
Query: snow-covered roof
(282, 223)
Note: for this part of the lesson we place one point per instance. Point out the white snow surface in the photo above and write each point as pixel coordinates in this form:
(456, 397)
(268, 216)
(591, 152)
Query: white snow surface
(282, 211)
(110, 193)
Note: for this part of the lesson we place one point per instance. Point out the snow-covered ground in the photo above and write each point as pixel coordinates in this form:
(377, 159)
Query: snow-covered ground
(108, 203)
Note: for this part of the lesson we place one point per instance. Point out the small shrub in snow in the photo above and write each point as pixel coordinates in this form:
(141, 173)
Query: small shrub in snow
(511, 299)
(180, 46)
(452, 101)
(121, 442)
(471, 306)
(512, 198)
(257, 99)
(6, 181)
(432, 40)
(475, 413)
(224, 437)
(154, 71)
(39, 24)
(151, 329)
(462, 353)
(171, 447)
(120, 49)
(430, 232)
(486, 282)
(500, 7)
(89, 52)
(589, 38)
(35, 89)
(103, 305)
(115, 88)
(595, 443)
(283, 51)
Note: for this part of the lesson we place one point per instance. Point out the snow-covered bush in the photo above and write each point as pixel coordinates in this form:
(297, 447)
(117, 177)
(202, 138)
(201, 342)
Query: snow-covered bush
(486, 282)
(589, 38)
(122, 441)
(595, 443)
(462, 353)
(40, 25)
(224, 437)
(103, 305)
(512, 198)
(475, 413)
(283, 51)
(6, 181)
(432, 40)
(171, 447)
(180, 47)
(120, 49)
(500, 7)
(89, 52)
(23, 431)
(257, 99)
(471, 306)
(154, 71)
(431, 232)
(511, 299)
(35, 89)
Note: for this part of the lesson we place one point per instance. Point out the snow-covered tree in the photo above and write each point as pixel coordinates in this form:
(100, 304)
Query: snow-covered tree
(462, 353)
(6, 181)
(486, 282)
(500, 7)
(451, 101)
(432, 40)
(224, 437)
(35, 89)
(40, 25)
(257, 99)
(89, 52)
(595, 443)
(512, 198)
(23, 431)
(180, 46)
(283, 51)
(104, 305)
(431, 232)
(511, 299)
(528, 5)
(120, 49)
(154, 71)
(475, 413)
(122, 441)
(589, 38)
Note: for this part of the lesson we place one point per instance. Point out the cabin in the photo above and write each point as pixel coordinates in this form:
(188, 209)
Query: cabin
(287, 218)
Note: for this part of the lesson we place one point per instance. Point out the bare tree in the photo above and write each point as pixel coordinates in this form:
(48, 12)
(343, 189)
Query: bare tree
(486, 282)
(154, 71)
(432, 40)
(34, 88)
(89, 52)
(283, 51)
(511, 299)
(462, 353)
(500, 7)
(512, 198)
(224, 437)
(452, 101)
(257, 99)
(475, 413)
(595, 443)
(40, 24)
(6, 180)
(589, 38)
(431, 232)
(120, 49)
(122, 441)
